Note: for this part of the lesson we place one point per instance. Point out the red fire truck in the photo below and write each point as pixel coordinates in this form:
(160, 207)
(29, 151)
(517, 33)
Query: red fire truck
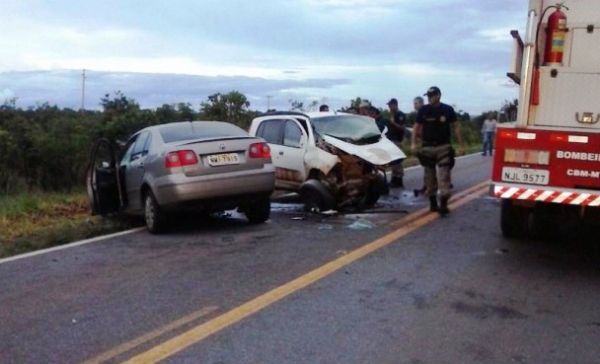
(547, 164)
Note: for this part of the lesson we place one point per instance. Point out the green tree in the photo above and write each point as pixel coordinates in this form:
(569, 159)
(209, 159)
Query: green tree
(231, 107)
(296, 105)
(509, 110)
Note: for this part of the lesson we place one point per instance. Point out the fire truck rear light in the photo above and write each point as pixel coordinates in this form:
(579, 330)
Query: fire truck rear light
(578, 139)
(507, 134)
(526, 136)
(525, 156)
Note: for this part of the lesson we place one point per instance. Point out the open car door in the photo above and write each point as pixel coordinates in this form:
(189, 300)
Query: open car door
(104, 186)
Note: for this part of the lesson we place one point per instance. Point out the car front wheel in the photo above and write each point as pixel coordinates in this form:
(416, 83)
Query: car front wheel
(153, 215)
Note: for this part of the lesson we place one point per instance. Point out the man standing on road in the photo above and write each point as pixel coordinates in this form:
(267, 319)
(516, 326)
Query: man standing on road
(434, 122)
(418, 103)
(488, 130)
(396, 132)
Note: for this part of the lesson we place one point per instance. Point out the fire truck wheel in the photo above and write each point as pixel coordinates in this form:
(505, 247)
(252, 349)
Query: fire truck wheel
(513, 220)
(541, 224)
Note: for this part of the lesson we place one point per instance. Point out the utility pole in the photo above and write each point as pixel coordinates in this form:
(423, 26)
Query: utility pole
(269, 102)
(83, 90)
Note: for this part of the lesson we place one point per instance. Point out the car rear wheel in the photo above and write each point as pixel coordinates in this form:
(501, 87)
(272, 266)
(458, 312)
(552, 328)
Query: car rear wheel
(153, 215)
(259, 211)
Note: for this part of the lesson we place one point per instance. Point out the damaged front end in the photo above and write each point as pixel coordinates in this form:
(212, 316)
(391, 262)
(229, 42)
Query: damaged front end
(357, 177)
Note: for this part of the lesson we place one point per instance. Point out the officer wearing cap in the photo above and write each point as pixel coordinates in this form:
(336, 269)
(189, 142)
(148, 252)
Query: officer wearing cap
(434, 123)
(396, 133)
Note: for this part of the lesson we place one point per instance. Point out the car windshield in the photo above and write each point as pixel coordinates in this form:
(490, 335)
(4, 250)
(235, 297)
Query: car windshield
(349, 128)
(195, 130)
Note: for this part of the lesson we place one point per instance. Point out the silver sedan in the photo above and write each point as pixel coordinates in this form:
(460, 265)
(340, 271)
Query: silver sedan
(200, 165)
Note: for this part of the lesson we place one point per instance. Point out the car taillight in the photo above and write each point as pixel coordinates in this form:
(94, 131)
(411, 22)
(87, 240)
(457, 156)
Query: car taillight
(181, 158)
(527, 156)
(259, 150)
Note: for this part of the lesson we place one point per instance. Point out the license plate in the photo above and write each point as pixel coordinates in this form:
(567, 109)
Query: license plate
(223, 159)
(525, 175)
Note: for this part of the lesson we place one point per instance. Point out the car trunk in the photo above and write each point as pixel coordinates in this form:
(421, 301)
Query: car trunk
(222, 156)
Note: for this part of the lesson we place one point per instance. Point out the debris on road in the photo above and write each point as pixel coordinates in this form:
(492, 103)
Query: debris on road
(329, 212)
(361, 224)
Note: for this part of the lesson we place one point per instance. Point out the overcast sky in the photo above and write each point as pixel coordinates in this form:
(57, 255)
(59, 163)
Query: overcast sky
(328, 50)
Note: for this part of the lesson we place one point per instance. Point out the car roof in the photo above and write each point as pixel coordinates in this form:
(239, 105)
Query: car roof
(175, 123)
(311, 114)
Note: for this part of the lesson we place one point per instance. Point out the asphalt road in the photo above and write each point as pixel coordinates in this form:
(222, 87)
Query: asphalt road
(446, 290)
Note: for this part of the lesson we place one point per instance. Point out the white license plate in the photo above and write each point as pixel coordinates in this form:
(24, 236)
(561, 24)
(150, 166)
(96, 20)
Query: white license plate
(525, 175)
(223, 159)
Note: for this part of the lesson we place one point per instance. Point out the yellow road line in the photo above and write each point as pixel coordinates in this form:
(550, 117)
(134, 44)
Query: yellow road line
(125, 347)
(249, 308)
(424, 211)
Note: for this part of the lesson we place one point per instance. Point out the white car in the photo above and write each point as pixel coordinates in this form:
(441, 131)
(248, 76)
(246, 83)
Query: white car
(334, 160)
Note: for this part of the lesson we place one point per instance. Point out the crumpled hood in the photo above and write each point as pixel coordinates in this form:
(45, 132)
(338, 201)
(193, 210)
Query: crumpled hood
(381, 153)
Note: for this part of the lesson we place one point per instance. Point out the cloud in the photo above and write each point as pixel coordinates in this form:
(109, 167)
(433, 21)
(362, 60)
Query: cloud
(378, 47)
(6, 95)
(150, 90)
(501, 35)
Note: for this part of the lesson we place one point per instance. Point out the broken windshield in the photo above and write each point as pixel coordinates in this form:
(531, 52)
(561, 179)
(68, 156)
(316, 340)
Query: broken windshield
(349, 128)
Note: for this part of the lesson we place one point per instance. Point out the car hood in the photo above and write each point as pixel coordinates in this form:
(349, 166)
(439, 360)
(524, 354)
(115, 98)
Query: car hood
(381, 153)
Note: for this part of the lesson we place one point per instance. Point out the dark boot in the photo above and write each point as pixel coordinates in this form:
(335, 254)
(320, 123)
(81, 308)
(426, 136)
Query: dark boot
(444, 206)
(433, 205)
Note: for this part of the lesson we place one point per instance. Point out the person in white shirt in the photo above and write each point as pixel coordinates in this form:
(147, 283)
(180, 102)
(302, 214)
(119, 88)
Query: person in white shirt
(488, 130)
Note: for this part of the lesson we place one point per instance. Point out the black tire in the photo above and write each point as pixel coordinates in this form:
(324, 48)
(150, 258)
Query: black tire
(513, 220)
(259, 211)
(377, 188)
(543, 224)
(154, 217)
(316, 197)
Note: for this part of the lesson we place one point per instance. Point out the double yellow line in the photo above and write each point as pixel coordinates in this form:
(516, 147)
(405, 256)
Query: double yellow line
(198, 333)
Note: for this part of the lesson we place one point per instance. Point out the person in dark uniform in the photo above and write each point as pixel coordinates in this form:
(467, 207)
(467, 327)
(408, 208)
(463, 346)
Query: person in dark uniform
(434, 125)
(418, 103)
(396, 133)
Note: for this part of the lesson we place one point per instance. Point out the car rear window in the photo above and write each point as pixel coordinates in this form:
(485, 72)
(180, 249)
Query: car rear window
(199, 130)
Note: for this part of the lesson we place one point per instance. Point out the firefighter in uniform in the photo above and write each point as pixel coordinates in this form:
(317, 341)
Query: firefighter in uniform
(434, 123)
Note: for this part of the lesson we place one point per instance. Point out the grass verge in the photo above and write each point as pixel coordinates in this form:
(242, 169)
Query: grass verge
(411, 160)
(36, 221)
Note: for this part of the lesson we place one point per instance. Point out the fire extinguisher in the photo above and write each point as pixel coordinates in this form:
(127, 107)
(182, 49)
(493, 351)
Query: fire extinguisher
(555, 38)
(555, 45)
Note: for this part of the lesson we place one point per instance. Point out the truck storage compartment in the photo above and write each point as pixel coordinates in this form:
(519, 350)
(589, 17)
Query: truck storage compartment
(569, 98)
